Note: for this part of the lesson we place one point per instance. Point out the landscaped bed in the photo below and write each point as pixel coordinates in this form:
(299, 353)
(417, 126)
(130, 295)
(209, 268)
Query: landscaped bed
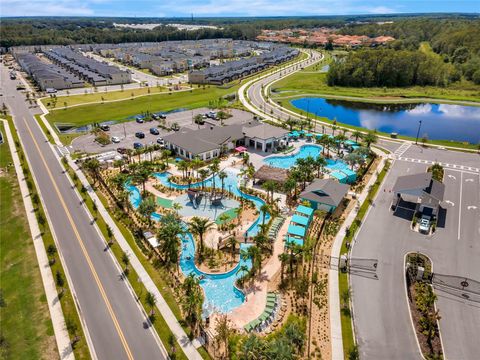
(421, 298)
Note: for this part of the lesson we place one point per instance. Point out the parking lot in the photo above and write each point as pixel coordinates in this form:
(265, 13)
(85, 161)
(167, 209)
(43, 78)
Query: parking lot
(454, 249)
(125, 131)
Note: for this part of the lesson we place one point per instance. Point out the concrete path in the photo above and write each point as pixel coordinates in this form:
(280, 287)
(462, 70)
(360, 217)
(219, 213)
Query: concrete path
(58, 321)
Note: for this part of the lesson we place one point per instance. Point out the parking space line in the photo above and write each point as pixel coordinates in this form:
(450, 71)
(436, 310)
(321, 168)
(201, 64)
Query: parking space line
(460, 205)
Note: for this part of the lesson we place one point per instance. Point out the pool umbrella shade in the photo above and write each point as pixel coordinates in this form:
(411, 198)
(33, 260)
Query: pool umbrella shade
(240, 149)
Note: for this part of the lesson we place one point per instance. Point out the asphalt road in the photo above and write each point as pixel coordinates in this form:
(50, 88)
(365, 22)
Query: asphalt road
(382, 320)
(116, 325)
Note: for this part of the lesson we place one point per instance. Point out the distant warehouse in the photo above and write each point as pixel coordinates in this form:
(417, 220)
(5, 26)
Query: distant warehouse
(233, 70)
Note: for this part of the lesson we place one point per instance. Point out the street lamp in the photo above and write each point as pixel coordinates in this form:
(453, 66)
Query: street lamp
(418, 131)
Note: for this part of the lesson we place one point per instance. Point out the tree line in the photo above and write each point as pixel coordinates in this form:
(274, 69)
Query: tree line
(391, 68)
(456, 39)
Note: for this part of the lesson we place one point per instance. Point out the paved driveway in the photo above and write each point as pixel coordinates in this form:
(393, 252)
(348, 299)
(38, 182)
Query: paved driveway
(382, 320)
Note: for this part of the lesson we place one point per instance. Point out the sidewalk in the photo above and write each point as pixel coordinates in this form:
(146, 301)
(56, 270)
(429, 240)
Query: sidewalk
(333, 289)
(58, 321)
(188, 347)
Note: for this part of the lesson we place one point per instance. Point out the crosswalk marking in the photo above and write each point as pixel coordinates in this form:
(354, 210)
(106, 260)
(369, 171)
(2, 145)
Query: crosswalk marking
(401, 150)
(448, 166)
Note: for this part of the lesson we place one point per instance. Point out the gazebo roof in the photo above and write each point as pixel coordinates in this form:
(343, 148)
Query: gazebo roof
(266, 173)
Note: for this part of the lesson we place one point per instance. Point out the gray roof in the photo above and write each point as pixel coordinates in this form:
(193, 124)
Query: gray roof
(325, 191)
(422, 182)
(265, 131)
(199, 141)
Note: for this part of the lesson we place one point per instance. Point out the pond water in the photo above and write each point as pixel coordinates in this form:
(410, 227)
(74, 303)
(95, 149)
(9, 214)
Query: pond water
(439, 121)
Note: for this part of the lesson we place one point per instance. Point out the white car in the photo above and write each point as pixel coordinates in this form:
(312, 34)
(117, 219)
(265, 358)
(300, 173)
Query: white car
(115, 139)
(424, 226)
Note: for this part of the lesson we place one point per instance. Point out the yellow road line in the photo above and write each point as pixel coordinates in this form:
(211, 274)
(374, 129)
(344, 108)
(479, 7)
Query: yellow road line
(84, 250)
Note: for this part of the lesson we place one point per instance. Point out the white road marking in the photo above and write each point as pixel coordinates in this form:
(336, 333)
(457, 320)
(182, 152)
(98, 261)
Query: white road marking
(450, 202)
(469, 180)
(471, 207)
(460, 206)
(452, 177)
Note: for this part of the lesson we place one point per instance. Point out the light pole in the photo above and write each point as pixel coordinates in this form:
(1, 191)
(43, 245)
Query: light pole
(418, 131)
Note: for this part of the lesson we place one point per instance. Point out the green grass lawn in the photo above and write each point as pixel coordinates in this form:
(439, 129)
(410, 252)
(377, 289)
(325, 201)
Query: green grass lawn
(26, 328)
(121, 110)
(231, 213)
(165, 203)
(107, 96)
(80, 350)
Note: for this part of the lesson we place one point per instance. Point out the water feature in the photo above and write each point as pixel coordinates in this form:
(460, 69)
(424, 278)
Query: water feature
(439, 121)
(219, 289)
(288, 161)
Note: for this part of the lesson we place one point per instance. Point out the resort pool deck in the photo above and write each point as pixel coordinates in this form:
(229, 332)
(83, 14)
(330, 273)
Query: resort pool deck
(220, 292)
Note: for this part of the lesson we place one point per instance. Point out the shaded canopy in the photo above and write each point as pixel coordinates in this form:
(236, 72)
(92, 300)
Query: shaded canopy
(266, 173)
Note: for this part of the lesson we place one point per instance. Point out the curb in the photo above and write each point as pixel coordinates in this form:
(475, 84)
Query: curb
(58, 321)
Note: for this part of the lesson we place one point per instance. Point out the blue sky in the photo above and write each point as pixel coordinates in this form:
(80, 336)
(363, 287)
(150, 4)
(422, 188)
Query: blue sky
(170, 8)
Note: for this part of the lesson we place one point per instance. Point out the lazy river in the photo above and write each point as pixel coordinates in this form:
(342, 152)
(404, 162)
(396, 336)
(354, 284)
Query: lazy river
(219, 289)
(439, 121)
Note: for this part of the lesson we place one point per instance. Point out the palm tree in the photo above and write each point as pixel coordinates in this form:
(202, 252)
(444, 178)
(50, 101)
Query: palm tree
(183, 167)
(252, 349)
(370, 138)
(146, 208)
(168, 238)
(232, 242)
(295, 335)
(334, 127)
(339, 139)
(214, 168)
(289, 186)
(357, 135)
(151, 300)
(141, 174)
(192, 300)
(165, 156)
(320, 164)
(353, 159)
(283, 257)
(280, 348)
(203, 174)
(222, 175)
(196, 163)
(92, 166)
(199, 226)
(269, 186)
(265, 209)
(125, 261)
(256, 256)
(223, 331)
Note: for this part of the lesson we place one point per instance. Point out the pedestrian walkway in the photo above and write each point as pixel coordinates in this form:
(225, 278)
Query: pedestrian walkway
(334, 297)
(58, 321)
(401, 150)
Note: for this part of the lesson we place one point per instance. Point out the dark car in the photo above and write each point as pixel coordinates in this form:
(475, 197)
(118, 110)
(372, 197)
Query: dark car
(154, 131)
(139, 135)
(137, 145)
(122, 150)
(105, 127)
(155, 117)
(175, 127)
(139, 119)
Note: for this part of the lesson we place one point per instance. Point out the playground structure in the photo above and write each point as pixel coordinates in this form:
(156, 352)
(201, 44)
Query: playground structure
(195, 196)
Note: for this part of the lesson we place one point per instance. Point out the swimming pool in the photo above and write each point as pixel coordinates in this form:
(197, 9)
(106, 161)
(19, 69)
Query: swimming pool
(220, 292)
(288, 161)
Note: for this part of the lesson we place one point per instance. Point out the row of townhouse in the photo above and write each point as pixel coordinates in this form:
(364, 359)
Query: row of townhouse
(232, 70)
(92, 71)
(47, 76)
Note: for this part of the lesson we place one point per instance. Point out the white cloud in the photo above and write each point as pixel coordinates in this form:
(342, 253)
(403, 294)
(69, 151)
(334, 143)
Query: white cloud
(44, 8)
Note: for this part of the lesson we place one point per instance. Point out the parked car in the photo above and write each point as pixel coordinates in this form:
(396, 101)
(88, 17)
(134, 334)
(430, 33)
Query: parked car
(424, 225)
(162, 116)
(122, 150)
(139, 119)
(161, 142)
(105, 127)
(175, 127)
(155, 117)
(212, 115)
(154, 131)
(137, 145)
(115, 139)
(139, 135)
